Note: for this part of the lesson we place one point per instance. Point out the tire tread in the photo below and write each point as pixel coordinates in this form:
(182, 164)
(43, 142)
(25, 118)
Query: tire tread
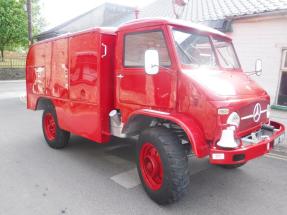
(62, 136)
(175, 160)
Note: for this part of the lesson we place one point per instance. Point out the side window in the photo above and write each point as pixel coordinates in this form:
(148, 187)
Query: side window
(282, 94)
(284, 60)
(137, 43)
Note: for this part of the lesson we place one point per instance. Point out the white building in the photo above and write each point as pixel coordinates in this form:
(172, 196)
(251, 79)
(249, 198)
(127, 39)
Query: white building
(264, 37)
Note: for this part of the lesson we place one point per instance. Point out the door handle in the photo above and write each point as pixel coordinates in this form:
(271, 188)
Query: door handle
(83, 93)
(105, 50)
(120, 76)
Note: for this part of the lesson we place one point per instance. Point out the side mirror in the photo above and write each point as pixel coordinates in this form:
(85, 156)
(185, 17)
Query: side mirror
(151, 63)
(258, 67)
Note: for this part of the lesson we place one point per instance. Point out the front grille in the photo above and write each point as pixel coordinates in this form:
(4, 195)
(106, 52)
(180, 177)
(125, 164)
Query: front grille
(246, 115)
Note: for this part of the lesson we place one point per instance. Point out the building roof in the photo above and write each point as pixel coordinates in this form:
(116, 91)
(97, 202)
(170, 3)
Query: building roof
(215, 13)
(107, 14)
(208, 10)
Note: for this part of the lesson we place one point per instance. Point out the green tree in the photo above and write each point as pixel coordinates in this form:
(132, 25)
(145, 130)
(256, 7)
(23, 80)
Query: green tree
(38, 21)
(14, 24)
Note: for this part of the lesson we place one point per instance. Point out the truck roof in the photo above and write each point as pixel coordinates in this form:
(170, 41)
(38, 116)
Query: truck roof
(139, 23)
(104, 30)
(146, 22)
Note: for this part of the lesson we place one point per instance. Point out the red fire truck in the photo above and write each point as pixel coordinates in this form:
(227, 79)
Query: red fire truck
(177, 86)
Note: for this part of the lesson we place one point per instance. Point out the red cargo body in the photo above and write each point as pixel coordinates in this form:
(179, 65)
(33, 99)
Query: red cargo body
(77, 73)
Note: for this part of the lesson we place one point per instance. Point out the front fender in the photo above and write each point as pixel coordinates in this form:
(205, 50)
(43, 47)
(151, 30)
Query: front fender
(189, 125)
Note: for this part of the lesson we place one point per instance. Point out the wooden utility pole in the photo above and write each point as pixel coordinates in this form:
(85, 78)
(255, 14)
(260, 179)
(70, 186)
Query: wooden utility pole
(29, 13)
(178, 7)
(137, 11)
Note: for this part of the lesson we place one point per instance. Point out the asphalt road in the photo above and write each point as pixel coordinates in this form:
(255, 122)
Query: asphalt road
(88, 178)
(11, 89)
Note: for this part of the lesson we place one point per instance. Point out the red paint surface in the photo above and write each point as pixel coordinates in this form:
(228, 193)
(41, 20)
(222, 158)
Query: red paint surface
(81, 94)
(83, 85)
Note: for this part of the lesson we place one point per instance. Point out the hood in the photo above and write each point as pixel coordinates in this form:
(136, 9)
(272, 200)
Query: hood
(222, 84)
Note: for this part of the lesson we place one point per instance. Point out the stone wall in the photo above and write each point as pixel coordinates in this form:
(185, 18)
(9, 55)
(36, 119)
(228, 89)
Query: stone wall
(12, 73)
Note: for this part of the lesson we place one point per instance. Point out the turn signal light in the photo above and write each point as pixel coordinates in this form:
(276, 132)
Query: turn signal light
(217, 156)
(223, 111)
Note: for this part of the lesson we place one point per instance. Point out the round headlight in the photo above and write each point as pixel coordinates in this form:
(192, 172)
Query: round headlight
(233, 119)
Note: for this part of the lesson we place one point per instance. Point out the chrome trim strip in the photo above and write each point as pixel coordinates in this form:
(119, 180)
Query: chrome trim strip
(251, 116)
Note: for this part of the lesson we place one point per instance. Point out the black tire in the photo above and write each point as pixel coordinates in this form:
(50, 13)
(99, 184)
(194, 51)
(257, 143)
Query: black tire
(232, 166)
(61, 137)
(174, 163)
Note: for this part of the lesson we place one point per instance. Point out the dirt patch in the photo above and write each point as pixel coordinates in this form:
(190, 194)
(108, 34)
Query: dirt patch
(12, 73)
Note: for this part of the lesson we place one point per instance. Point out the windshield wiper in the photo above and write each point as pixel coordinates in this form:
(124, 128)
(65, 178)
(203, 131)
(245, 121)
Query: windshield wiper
(189, 57)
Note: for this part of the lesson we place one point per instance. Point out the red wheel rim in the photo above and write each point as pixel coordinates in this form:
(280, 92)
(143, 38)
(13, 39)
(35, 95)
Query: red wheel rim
(49, 126)
(151, 166)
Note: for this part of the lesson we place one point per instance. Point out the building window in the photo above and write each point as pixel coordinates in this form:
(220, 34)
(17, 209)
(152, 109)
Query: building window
(282, 94)
(137, 43)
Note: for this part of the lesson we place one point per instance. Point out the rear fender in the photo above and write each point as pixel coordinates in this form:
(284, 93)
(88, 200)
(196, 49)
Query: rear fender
(44, 103)
(141, 119)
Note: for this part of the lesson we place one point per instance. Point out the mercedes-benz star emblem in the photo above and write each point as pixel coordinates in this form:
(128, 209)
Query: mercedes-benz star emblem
(257, 112)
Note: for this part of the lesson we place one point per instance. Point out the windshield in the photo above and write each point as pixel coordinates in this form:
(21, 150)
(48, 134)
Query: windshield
(196, 49)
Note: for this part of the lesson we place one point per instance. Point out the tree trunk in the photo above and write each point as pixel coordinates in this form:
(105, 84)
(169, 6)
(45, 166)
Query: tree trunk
(2, 55)
(29, 11)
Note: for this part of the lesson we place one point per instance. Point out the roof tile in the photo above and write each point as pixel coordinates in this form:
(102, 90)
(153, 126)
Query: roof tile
(204, 10)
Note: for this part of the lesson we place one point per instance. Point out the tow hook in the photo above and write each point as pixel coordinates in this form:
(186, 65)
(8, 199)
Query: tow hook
(268, 127)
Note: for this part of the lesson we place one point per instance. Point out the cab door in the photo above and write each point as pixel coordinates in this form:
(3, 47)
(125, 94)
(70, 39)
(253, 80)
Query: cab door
(134, 86)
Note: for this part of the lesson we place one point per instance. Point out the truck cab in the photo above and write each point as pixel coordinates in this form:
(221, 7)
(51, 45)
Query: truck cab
(175, 70)
(178, 87)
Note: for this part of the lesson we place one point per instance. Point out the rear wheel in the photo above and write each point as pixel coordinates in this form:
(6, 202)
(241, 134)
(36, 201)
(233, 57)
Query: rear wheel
(54, 135)
(162, 165)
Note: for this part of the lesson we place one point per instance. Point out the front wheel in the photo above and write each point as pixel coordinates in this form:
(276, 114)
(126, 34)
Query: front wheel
(54, 135)
(162, 165)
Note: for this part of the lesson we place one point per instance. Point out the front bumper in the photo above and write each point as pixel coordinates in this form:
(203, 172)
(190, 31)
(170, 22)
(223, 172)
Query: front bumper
(245, 152)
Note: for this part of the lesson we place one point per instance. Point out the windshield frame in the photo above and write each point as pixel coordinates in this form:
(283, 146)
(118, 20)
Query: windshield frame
(210, 36)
